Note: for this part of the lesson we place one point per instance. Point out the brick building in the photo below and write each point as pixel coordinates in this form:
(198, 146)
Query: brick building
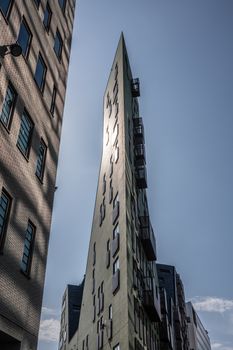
(32, 94)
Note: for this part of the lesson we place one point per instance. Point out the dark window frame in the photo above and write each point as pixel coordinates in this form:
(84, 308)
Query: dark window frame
(32, 244)
(62, 5)
(9, 121)
(41, 174)
(37, 3)
(23, 21)
(29, 141)
(7, 14)
(60, 47)
(6, 218)
(42, 84)
(50, 13)
(53, 100)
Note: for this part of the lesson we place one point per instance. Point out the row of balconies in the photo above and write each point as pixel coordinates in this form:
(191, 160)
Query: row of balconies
(147, 238)
(139, 153)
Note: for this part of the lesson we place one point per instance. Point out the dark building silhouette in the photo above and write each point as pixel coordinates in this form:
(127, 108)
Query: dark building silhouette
(71, 307)
(32, 94)
(174, 328)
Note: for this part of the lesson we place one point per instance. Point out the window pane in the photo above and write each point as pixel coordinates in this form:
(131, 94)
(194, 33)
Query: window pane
(5, 202)
(53, 101)
(28, 248)
(58, 43)
(24, 38)
(62, 4)
(41, 160)
(8, 106)
(37, 2)
(47, 17)
(5, 6)
(40, 73)
(25, 133)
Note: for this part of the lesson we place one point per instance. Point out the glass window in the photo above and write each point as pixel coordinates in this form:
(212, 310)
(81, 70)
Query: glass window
(37, 2)
(116, 265)
(116, 231)
(62, 4)
(40, 165)
(47, 17)
(58, 43)
(28, 248)
(53, 101)
(117, 347)
(8, 106)
(5, 203)
(40, 73)
(25, 134)
(5, 7)
(24, 38)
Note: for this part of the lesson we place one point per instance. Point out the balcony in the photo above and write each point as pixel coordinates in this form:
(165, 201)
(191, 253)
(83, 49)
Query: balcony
(116, 281)
(115, 244)
(138, 131)
(147, 238)
(135, 87)
(141, 176)
(149, 300)
(139, 152)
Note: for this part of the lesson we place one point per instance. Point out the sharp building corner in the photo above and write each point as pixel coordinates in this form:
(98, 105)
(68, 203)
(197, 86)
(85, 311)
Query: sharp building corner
(129, 301)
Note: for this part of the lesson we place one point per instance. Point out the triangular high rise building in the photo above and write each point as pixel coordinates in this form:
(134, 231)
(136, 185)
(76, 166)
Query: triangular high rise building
(120, 305)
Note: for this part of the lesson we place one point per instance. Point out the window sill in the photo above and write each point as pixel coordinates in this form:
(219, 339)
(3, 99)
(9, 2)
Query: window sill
(40, 179)
(38, 88)
(25, 274)
(5, 127)
(6, 18)
(26, 157)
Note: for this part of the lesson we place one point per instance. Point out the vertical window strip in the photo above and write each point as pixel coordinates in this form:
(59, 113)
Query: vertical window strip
(53, 101)
(5, 202)
(28, 248)
(40, 166)
(8, 106)
(25, 134)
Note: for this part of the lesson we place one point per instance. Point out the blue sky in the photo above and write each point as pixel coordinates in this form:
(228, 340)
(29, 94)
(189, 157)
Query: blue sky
(182, 51)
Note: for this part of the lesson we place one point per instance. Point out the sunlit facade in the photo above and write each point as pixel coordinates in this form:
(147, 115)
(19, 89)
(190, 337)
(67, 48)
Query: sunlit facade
(32, 94)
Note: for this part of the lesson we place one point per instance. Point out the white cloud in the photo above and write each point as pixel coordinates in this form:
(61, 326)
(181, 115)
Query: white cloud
(49, 330)
(49, 312)
(216, 345)
(219, 346)
(212, 304)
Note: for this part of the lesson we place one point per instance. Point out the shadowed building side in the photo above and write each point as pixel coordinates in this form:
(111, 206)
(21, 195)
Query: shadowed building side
(32, 94)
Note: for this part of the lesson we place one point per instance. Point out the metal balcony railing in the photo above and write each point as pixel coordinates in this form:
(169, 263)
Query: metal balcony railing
(135, 87)
(147, 238)
(141, 176)
(138, 131)
(149, 301)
